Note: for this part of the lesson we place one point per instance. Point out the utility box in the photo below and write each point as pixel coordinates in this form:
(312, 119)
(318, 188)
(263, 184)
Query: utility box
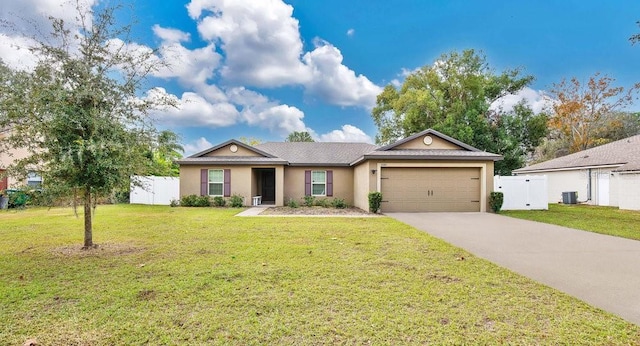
(570, 197)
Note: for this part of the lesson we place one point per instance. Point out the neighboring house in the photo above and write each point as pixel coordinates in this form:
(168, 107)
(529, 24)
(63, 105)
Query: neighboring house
(6, 158)
(428, 171)
(605, 175)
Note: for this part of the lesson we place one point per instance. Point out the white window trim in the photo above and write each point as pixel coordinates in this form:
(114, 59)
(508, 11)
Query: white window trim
(314, 183)
(209, 182)
(34, 177)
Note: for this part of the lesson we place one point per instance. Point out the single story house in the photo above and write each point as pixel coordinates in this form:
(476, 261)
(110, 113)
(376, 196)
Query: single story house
(607, 175)
(6, 158)
(427, 171)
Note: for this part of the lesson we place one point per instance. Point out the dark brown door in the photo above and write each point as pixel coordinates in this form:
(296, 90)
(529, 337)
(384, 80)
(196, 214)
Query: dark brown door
(4, 181)
(269, 185)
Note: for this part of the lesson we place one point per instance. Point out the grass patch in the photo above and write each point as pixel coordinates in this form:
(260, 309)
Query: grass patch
(604, 220)
(201, 276)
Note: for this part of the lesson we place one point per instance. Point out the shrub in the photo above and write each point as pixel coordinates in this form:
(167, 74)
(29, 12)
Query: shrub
(375, 199)
(219, 201)
(309, 200)
(195, 201)
(236, 201)
(203, 201)
(293, 203)
(174, 203)
(495, 201)
(323, 202)
(339, 203)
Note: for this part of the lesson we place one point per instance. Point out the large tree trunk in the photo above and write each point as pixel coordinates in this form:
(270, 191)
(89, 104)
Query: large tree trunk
(88, 231)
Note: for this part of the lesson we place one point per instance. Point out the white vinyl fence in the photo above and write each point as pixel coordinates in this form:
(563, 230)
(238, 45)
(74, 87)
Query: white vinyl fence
(522, 192)
(154, 190)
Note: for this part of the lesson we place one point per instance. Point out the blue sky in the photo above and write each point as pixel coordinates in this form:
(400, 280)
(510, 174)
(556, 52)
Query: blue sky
(261, 69)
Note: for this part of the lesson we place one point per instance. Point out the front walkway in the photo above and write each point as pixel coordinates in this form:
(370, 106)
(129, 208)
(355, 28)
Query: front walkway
(602, 270)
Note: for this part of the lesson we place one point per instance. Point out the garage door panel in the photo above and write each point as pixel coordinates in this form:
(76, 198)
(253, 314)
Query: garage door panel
(409, 189)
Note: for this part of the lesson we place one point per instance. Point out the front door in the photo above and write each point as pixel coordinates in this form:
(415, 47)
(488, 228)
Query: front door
(268, 185)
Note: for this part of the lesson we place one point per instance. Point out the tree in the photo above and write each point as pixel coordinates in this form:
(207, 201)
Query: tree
(78, 112)
(250, 140)
(299, 136)
(165, 150)
(454, 96)
(584, 111)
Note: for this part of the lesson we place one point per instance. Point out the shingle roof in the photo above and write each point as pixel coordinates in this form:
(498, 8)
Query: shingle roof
(232, 160)
(433, 154)
(625, 152)
(317, 153)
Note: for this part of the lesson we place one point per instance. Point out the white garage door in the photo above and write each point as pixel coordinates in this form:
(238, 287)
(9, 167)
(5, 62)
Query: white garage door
(430, 189)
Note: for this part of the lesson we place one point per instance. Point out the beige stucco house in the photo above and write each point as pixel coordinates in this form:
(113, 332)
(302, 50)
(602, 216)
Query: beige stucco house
(428, 171)
(607, 175)
(6, 158)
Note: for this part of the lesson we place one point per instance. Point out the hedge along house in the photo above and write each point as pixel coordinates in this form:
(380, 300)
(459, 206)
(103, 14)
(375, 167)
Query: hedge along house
(606, 175)
(428, 171)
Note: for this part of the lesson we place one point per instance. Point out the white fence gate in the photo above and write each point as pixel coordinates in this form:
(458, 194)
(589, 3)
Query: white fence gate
(522, 192)
(154, 190)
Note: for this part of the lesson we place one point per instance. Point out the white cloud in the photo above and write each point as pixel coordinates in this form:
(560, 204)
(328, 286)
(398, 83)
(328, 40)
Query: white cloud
(351, 32)
(348, 133)
(336, 83)
(262, 47)
(260, 39)
(171, 35)
(196, 146)
(193, 110)
(280, 119)
(538, 100)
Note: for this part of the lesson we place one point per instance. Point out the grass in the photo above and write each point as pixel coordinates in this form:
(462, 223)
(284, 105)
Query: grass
(604, 220)
(201, 276)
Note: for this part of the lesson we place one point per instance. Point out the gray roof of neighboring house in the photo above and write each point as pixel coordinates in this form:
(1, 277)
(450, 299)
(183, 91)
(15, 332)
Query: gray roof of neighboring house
(317, 153)
(625, 152)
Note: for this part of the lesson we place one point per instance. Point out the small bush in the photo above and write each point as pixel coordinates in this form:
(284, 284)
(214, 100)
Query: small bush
(495, 201)
(236, 201)
(293, 203)
(174, 203)
(375, 199)
(203, 201)
(339, 203)
(219, 201)
(323, 202)
(195, 201)
(309, 200)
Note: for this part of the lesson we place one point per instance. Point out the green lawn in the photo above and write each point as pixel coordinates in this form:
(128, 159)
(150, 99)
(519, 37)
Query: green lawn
(201, 276)
(605, 220)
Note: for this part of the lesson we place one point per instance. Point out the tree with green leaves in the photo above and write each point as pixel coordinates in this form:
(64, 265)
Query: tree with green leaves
(299, 136)
(166, 149)
(78, 112)
(454, 96)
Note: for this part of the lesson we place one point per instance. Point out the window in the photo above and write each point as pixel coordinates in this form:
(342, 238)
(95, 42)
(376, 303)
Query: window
(216, 182)
(319, 183)
(34, 180)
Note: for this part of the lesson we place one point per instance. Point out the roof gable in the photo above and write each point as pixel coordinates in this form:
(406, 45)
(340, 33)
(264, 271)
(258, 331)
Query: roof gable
(225, 149)
(428, 139)
(624, 153)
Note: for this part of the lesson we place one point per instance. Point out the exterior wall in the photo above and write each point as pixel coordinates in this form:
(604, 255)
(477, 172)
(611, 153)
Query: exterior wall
(437, 143)
(342, 182)
(578, 180)
(363, 183)
(243, 181)
(6, 158)
(628, 188)
(226, 151)
(487, 170)
(240, 180)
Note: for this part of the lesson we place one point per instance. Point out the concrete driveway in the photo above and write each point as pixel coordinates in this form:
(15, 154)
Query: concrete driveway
(601, 270)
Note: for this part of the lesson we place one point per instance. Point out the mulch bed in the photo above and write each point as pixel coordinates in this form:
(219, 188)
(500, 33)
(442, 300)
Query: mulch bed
(313, 211)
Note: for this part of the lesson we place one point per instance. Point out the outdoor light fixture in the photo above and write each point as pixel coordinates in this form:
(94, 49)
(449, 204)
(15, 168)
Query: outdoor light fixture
(373, 171)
